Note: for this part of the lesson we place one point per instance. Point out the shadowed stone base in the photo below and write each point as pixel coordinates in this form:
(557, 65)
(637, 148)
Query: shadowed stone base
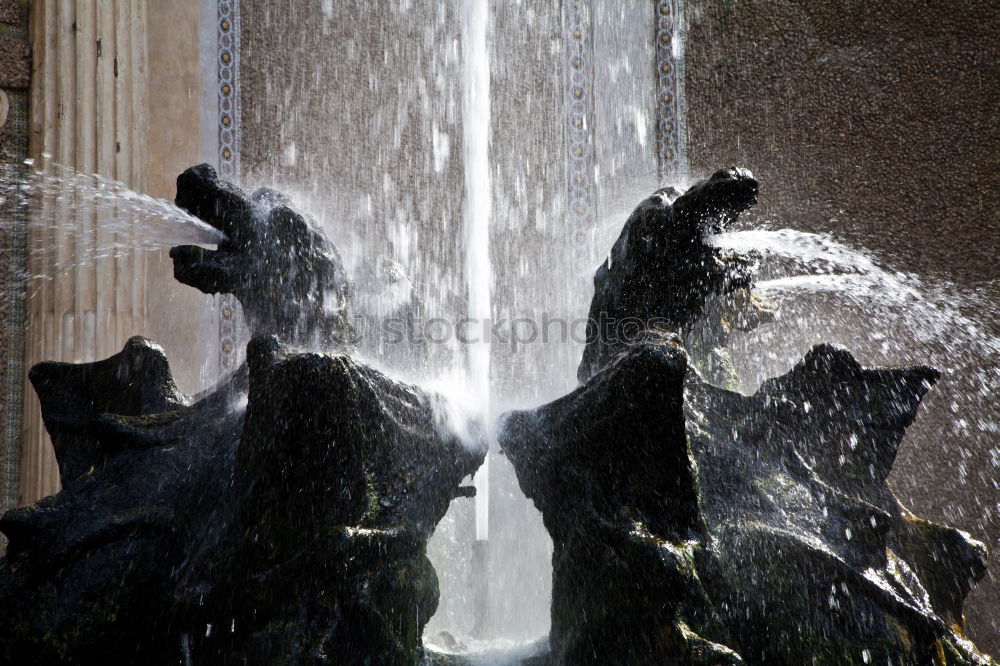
(700, 526)
(282, 518)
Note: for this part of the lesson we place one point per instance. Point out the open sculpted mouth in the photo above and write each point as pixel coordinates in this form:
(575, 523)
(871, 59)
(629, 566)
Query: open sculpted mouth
(286, 273)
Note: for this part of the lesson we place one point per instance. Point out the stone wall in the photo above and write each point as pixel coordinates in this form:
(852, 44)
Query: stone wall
(15, 73)
(877, 122)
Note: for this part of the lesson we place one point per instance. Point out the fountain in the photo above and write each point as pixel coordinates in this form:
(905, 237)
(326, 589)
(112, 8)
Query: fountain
(181, 520)
(284, 516)
(695, 524)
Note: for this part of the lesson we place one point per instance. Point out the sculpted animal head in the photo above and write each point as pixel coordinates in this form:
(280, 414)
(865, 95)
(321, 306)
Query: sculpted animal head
(285, 272)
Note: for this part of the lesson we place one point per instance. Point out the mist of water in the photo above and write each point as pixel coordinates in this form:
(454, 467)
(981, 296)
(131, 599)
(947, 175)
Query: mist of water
(827, 291)
(830, 291)
(54, 199)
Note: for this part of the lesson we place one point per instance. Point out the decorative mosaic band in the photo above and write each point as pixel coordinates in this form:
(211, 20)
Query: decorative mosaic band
(579, 80)
(228, 27)
(13, 285)
(670, 135)
(14, 259)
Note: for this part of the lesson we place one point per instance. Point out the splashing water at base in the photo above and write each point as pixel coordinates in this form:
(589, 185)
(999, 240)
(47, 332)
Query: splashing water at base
(497, 652)
(56, 200)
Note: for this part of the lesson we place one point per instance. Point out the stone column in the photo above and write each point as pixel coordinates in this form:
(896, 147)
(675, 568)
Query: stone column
(88, 113)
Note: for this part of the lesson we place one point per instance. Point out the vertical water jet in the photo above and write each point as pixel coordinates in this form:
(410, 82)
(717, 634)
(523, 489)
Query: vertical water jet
(479, 273)
(478, 210)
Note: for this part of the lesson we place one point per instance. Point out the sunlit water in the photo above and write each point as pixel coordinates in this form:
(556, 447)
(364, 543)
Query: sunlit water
(948, 465)
(517, 236)
(75, 219)
(828, 291)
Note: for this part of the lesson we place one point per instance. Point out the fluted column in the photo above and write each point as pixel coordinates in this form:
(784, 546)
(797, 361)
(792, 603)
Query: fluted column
(89, 113)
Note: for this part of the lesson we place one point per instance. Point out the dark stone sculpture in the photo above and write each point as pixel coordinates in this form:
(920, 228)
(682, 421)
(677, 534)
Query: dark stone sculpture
(608, 467)
(695, 525)
(334, 499)
(793, 488)
(281, 518)
(89, 572)
(134, 382)
(662, 271)
(710, 527)
(287, 275)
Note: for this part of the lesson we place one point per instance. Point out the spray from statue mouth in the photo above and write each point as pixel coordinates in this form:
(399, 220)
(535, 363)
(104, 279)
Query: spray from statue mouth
(642, 473)
(42, 193)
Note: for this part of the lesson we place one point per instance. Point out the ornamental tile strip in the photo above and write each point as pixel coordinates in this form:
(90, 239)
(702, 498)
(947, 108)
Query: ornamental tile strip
(228, 36)
(578, 37)
(671, 152)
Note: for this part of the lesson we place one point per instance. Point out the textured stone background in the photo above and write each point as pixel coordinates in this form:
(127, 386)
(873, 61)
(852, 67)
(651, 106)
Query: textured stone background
(15, 72)
(877, 122)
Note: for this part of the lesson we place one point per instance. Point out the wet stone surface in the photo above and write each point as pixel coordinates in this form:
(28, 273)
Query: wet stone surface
(696, 525)
(282, 517)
